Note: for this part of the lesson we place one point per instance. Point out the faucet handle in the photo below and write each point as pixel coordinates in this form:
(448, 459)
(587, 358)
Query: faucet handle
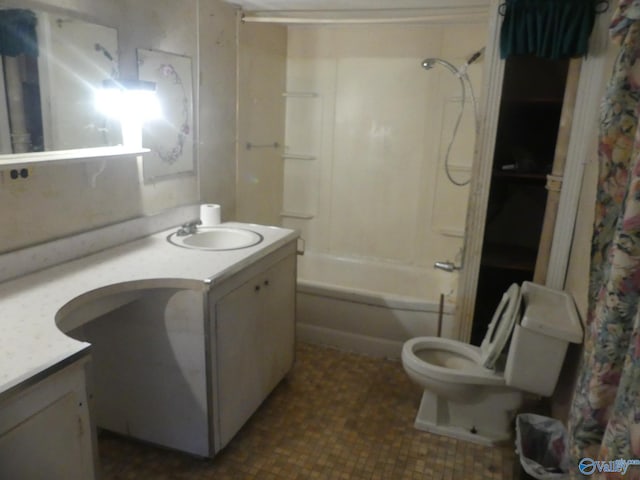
(189, 228)
(192, 223)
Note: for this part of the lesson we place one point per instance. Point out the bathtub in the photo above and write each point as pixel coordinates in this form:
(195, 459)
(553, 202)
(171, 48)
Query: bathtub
(367, 306)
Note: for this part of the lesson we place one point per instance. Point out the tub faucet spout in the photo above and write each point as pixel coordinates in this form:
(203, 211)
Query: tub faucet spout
(446, 266)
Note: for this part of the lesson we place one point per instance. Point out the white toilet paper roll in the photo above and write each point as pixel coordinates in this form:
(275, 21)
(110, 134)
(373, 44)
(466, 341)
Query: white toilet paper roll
(209, 214)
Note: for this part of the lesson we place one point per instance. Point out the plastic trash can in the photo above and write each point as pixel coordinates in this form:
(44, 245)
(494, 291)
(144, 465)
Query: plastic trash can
(541, 444)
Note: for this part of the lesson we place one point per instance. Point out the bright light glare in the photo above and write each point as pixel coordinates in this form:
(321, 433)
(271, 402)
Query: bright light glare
(122, 104)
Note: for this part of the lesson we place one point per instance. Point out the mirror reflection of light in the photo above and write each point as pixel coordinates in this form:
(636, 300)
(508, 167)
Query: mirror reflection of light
(130, 105)
(121, 104)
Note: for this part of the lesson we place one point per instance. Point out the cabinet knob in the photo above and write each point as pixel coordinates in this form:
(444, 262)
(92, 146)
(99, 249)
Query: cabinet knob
(266, 283)
(257, 288)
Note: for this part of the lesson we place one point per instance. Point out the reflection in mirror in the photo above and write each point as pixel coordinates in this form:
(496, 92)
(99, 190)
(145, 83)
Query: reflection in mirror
(51, 66)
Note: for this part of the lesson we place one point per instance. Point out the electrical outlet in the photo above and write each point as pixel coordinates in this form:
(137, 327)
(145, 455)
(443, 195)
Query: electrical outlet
(16, 174)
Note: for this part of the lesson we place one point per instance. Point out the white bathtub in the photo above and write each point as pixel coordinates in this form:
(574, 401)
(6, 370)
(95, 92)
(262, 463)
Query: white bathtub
(369, 307)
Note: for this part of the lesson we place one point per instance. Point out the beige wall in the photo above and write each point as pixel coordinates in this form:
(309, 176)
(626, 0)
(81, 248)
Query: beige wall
(58, 200)
(217, 105)
(262, 81)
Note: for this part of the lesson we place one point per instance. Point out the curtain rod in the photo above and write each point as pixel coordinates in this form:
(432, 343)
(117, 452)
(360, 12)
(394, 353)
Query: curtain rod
(469, 17)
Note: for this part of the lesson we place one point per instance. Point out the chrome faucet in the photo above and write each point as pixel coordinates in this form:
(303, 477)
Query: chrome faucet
(188, 228)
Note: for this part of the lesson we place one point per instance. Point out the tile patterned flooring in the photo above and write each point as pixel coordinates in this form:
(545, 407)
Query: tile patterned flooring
(336, 416)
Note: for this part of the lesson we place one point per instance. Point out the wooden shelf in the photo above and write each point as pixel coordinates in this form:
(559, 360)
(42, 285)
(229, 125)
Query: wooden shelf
(519, 101)
(508, 257)
(520, 175)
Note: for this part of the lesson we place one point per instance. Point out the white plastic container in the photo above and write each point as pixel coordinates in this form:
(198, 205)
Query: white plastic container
(539, 343)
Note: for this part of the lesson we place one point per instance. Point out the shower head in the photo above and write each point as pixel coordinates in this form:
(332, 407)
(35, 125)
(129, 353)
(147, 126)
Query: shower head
(429, 63)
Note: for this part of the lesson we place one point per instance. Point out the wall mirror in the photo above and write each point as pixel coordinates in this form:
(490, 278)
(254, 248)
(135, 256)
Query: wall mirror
(50, 66)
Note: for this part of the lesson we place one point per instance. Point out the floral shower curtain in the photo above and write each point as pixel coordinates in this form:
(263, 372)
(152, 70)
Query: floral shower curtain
(604, 420)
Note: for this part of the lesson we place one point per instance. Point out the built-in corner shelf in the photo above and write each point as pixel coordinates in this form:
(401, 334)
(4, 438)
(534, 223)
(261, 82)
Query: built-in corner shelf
(67, 156)
(298, 215)
(298, 156)
(513, 174)
(451, 232)
(508, 257)
(300, 94)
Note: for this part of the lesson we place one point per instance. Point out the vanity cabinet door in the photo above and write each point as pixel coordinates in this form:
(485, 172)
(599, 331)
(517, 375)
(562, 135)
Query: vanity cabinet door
(278, 322)
(254, 342)
(45, 430)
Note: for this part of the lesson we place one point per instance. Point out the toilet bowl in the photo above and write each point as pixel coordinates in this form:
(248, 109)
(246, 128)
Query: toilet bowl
(466, 393)
(447, 367)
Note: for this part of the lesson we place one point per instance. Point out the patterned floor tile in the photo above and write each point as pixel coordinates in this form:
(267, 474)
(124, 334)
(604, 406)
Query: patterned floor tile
(337, 416)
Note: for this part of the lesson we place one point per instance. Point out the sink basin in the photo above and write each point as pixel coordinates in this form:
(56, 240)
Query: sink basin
(217, 238)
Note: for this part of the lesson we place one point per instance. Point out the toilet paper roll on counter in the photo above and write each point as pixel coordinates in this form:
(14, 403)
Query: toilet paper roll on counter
(209, 214)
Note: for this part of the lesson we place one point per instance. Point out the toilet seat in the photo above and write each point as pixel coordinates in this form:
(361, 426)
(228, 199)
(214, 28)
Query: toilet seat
(501, 326)
(448, 360)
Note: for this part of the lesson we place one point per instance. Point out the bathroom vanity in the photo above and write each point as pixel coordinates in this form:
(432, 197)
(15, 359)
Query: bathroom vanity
(170, 345)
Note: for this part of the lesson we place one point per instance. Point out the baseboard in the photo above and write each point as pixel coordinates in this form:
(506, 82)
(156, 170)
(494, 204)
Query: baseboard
(352, 342)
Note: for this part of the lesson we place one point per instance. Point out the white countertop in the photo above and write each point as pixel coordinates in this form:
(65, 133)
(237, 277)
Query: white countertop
(30, 306)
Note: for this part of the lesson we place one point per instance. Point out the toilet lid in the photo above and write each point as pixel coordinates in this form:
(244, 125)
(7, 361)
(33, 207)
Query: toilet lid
(501, 326)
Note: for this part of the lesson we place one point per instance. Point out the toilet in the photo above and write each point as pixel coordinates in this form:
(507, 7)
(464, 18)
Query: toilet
(473, 393)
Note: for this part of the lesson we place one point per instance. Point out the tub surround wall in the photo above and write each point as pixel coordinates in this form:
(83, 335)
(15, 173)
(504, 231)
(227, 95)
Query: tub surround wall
(59, 200)
(366, 135)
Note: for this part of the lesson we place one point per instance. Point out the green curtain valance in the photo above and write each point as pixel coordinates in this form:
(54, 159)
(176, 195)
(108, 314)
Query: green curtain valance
(551, 29)
(18, 33)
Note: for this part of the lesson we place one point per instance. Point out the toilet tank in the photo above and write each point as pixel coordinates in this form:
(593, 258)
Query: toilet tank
(539, 343)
